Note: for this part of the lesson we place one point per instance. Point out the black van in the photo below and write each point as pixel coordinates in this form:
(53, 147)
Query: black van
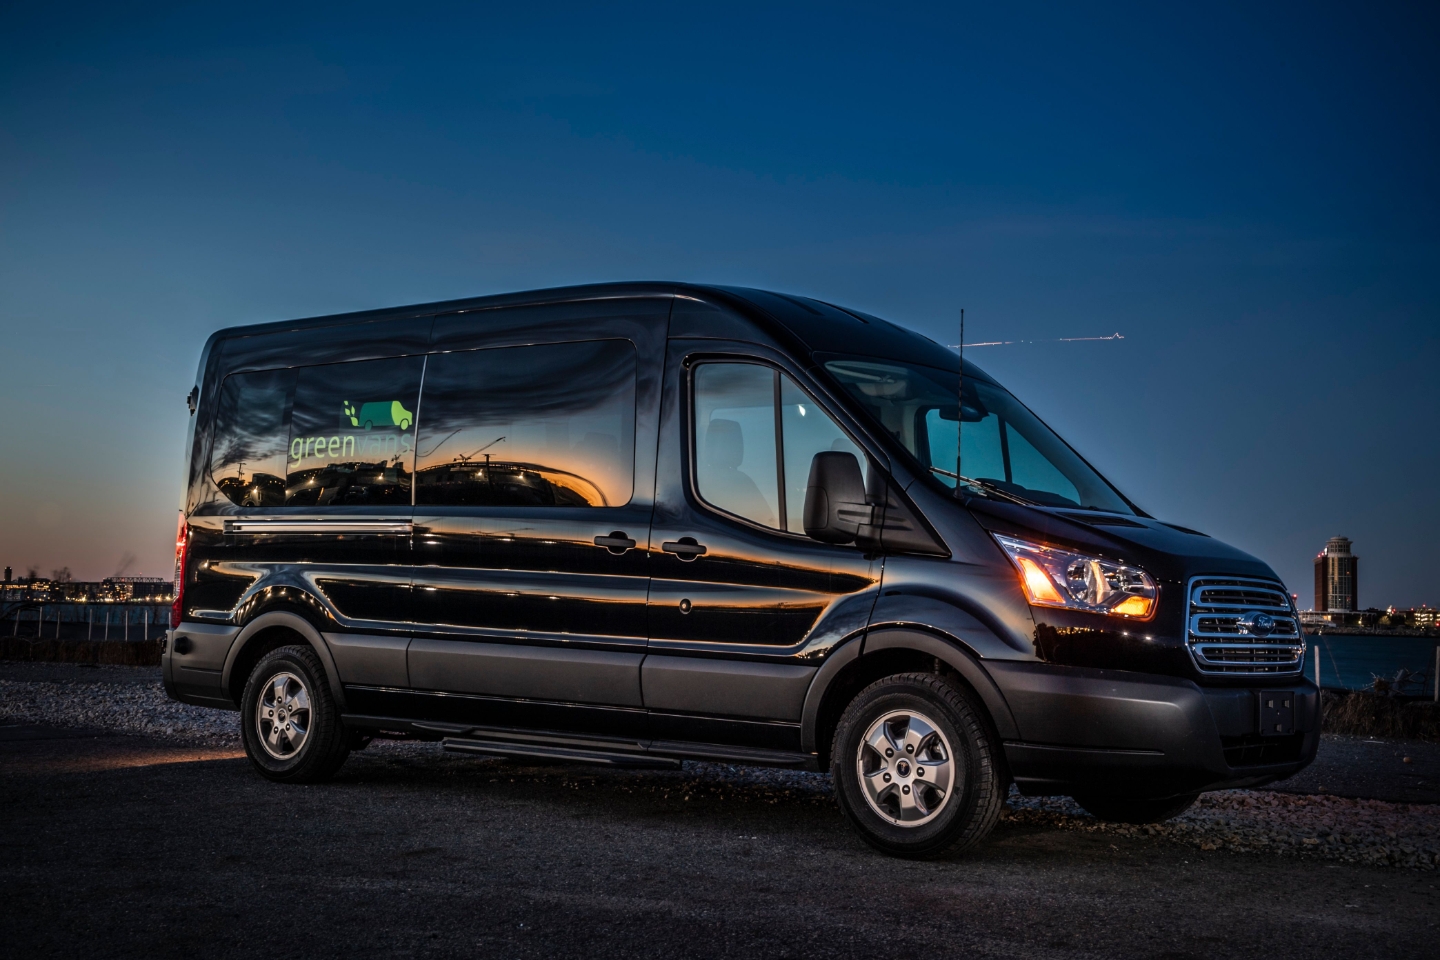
(638, 523)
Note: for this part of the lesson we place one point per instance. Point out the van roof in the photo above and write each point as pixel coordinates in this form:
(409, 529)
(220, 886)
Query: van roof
(813, 326)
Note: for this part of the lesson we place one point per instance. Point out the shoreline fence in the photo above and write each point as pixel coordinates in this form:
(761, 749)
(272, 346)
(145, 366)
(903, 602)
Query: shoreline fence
(131, 622)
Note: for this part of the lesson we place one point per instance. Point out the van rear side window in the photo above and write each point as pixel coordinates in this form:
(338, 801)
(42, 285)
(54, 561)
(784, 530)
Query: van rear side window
(252, 419)
(352, 434)
(335, 435)
(550, 425)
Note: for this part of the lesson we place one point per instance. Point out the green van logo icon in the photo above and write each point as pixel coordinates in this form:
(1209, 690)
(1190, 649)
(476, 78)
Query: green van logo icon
(380, 413)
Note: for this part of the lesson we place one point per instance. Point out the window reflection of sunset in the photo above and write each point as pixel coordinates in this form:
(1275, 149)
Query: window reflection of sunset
(535, 422)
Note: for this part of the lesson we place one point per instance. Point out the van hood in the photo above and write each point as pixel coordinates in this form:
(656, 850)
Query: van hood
(1164, 550)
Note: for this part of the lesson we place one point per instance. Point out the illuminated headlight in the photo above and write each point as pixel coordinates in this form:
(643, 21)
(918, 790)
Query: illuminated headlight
(1052, 577)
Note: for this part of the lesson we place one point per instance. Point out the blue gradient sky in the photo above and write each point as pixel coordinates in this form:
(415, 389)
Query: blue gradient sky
(1249, 196)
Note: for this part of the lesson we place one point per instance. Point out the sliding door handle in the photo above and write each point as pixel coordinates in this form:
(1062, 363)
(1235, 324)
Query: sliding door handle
(685, 548)
(617, 543)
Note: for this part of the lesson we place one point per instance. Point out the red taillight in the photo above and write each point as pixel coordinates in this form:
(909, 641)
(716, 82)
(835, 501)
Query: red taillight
(182, 551)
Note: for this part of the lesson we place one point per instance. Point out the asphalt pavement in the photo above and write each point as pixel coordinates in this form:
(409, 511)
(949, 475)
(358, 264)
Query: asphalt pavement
(120, 846)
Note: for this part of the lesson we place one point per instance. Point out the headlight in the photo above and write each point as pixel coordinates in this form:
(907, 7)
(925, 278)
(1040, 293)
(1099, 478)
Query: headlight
(1052, 577)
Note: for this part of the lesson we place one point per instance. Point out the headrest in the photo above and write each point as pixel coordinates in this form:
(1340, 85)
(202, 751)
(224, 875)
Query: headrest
(724, 445)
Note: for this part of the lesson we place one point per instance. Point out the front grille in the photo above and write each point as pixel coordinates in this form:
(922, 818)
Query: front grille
(1254, 750)
(1243, 627)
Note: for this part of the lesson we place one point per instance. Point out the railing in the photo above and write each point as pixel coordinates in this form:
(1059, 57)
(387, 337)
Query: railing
(133, 621)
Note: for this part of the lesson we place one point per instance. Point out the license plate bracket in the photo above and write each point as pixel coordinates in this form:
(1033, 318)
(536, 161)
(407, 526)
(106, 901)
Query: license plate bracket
(1277, 713)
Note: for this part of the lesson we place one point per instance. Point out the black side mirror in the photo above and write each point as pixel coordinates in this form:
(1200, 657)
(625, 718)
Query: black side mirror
(835, 502)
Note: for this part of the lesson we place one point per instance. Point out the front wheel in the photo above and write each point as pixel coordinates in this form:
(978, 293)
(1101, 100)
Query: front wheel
(289, 721)
(915, 768)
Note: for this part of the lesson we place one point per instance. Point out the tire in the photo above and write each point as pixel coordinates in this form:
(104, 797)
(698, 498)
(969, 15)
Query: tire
(951, 735)
(1117, 810)
(289, 721)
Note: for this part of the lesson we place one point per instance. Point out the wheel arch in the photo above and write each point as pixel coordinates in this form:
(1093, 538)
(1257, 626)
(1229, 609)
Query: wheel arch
(269, 631)
(885, 652)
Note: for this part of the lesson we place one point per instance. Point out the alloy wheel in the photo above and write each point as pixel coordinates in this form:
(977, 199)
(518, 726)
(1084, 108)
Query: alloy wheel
(906, 768)
(282, 716)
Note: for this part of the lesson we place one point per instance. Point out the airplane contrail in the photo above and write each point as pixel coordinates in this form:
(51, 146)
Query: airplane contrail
(1002, 343)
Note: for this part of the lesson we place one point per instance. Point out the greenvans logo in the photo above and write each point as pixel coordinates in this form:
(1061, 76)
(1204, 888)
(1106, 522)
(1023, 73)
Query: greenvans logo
(374, 438)
(372, 415)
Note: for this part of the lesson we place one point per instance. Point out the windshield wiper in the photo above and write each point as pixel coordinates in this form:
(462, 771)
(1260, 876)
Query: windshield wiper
(987, 487)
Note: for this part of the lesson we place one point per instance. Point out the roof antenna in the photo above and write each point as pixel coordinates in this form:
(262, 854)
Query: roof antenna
(960, 409)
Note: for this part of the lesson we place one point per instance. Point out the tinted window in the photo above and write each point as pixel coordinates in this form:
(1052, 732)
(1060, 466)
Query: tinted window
(997, 452)
(735, 440)
(735, 433)
(551, 425)
(352, 434)
(1007, 449)
(248, 456)
(983, 457)
(806, 431)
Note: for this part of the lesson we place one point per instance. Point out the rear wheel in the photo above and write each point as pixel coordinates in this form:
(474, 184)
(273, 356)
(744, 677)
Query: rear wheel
(915, 767)
(289, 721)
(1116, 810)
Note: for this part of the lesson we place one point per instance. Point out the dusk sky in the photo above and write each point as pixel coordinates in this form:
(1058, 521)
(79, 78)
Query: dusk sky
(1247, 193)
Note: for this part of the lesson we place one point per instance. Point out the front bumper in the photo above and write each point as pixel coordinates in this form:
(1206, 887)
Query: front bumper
(1141, 736)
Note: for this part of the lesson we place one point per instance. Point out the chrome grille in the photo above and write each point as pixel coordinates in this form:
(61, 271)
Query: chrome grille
(1238, 626)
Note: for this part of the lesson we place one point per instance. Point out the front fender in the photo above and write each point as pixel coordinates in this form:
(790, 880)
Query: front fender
(952, 651)
(959, 655)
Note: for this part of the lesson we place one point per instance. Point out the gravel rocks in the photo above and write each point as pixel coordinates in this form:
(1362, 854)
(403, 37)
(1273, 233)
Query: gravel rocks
(1370, 832)
(1261, 821)
(140, 708)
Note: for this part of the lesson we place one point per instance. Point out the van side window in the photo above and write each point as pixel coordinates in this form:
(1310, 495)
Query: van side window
(734, 429)
(247, 459)
(805, 431)
(550, 425)
(740, 410)
(352, 434)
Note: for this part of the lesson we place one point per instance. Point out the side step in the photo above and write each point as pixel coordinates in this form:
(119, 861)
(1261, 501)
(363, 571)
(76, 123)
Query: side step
(554, 745)
(541, 751)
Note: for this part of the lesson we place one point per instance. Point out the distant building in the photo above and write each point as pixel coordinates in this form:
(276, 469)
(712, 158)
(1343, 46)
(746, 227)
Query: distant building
(109, 590)
(1316, 621)
(1337, 577)
(136, 588)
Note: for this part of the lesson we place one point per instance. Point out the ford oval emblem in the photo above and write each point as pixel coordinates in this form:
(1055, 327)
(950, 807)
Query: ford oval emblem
(1259, 624)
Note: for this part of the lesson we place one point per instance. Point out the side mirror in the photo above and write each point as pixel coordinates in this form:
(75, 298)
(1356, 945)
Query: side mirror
(835, 502)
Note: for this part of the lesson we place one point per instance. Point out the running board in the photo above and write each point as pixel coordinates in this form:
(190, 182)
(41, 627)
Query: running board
(723, 753)
(538, 751)
(614, 751)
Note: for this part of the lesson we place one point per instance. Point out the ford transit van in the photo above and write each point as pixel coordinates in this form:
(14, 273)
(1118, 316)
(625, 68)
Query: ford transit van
(635, 524)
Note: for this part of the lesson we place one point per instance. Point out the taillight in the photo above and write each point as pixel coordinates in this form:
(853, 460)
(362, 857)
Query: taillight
(182, 551)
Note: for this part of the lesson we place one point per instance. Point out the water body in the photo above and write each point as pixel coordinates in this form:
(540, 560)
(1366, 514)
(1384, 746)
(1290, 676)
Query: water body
(1353, 661)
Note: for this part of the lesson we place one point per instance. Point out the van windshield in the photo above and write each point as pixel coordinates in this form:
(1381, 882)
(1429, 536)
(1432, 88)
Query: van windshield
(1007, 452)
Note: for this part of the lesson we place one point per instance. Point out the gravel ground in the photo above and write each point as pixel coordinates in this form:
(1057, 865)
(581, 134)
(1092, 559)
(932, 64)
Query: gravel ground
(1337, 829)
(128, 707)
(1405, 771)
(1340, 829)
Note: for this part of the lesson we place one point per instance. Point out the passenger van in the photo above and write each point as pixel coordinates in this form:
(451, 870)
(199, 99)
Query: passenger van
(634, 524)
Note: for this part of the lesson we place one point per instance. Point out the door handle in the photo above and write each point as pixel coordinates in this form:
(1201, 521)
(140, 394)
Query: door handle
(617, 543)
(685, 548)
